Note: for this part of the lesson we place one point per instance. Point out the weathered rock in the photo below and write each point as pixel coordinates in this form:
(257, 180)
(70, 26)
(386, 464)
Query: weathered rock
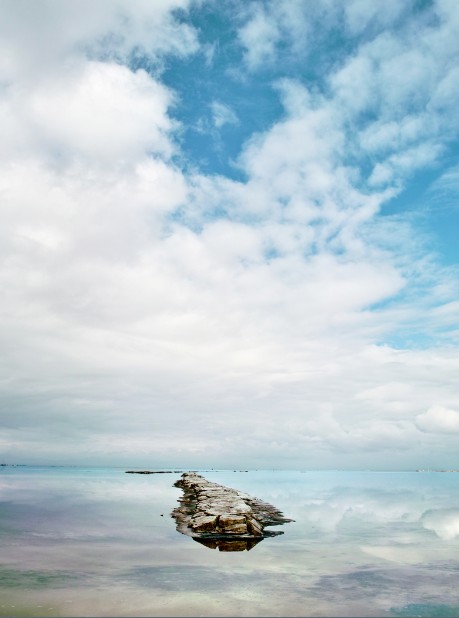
(204, 523)
(219, 516)
(254, 527)
(232, 524)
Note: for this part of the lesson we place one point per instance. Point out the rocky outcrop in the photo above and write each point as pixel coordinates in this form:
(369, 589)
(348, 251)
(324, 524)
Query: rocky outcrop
(219, 516)
(153, 471)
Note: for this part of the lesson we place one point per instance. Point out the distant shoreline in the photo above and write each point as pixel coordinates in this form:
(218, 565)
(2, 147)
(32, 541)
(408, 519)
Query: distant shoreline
(180, 471)
(432, 470)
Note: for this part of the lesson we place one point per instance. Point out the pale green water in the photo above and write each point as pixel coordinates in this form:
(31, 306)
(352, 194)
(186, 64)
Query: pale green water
(92, 542)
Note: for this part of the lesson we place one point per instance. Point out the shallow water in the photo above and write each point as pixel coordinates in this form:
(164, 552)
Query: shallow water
(99, 542)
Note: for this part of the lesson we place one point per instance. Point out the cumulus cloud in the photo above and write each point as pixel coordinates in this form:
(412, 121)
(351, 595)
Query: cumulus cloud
(361, 15)
(400, 67)
(259, 36)
(438, 419)
(103, 114)
(40, 39)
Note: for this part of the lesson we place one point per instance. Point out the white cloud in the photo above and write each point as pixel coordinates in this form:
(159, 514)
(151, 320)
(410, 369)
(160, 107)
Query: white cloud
(395, 90)
(445, 190)
(360, 14)
(438, 419)
(222, 114)
(39, 39)
(259, 36)
(104, 114)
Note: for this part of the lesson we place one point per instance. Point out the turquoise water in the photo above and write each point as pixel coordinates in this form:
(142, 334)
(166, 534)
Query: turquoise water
(99, 542)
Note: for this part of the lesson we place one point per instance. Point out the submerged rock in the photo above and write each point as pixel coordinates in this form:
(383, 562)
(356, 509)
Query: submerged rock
(219, 516)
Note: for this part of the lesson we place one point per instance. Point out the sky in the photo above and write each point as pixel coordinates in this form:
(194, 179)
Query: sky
(229, 233)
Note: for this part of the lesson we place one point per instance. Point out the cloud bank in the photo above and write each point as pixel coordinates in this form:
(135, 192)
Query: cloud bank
(285, 315)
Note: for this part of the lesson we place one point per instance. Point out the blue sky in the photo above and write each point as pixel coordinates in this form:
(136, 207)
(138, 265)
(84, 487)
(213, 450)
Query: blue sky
(229, 233)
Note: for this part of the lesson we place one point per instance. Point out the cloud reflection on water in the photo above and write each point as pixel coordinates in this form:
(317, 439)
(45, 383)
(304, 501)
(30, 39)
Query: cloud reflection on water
(444, 522)
(361, 544)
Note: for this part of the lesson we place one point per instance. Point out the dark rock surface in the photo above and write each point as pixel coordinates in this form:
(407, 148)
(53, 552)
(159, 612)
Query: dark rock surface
(219, 516)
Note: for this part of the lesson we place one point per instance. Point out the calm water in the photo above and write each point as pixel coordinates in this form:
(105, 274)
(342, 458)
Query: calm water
(91, 542)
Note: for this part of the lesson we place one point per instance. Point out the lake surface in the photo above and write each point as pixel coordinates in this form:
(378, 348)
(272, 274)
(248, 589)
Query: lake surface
(99, 542)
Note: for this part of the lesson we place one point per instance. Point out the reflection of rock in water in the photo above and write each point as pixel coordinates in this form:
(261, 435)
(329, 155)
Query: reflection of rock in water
(229, 544)
(220, 517)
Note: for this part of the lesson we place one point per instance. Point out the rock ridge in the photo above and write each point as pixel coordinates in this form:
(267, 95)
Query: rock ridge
(219, 516)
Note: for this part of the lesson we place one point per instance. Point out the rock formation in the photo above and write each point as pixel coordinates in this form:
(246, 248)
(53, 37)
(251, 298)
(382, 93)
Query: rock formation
(218, 516)
(153, 471)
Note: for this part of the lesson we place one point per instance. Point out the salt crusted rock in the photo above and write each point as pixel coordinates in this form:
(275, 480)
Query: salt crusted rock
(219, 516)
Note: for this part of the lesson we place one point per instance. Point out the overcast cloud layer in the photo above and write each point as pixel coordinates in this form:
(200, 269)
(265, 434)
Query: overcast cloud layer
(229, 234)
